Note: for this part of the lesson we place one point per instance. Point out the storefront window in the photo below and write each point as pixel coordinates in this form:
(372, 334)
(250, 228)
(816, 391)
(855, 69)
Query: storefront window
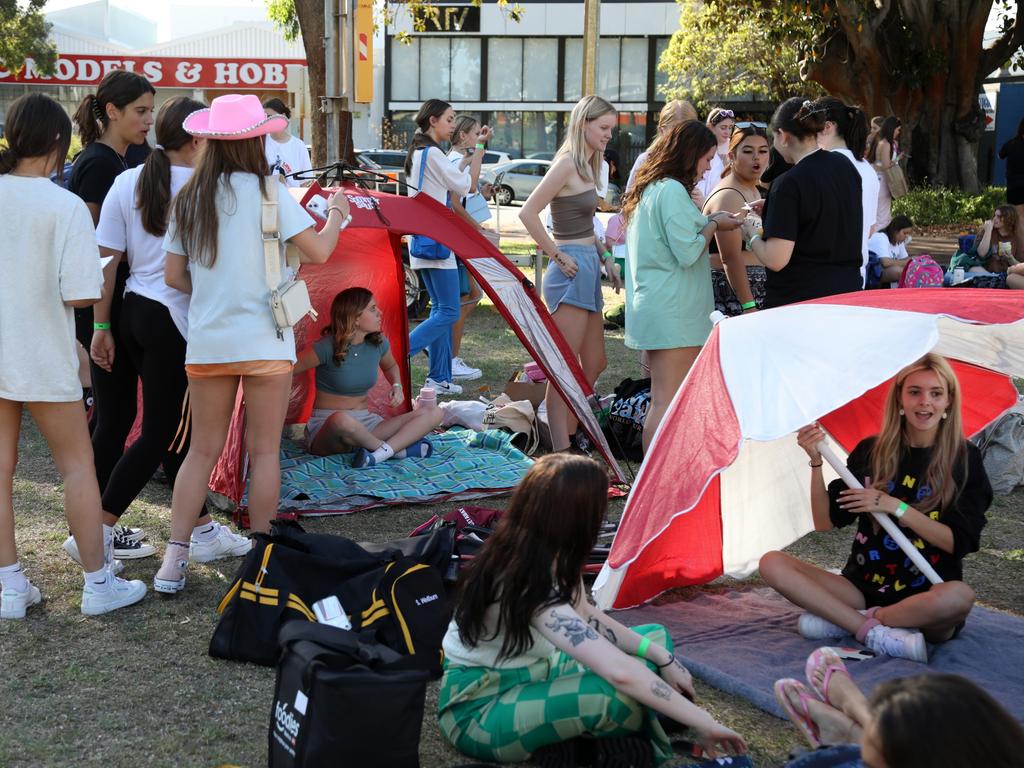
(608, 68)
(465, 73)
(539, 59)
(540, 134)
(633, 69)
(572, 84)
(398, 133)
(508, 131)
(660, 78)
(405, 59)
(629, 141)
(435, 68)
(505, 69)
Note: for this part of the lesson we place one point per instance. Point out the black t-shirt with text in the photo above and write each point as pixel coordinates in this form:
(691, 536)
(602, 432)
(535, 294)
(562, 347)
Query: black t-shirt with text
(817, 205)
(877, 566)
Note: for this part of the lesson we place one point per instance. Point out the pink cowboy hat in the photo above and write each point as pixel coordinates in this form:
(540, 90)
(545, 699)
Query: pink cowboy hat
(233, 117)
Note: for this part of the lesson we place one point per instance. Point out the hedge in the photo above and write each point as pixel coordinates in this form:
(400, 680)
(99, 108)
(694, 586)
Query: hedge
(945, 207)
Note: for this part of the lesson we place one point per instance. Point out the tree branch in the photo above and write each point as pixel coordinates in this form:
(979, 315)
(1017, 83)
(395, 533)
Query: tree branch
(1010, 41)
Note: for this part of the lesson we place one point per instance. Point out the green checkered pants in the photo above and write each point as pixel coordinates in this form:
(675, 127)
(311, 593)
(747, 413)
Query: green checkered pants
(506, 714)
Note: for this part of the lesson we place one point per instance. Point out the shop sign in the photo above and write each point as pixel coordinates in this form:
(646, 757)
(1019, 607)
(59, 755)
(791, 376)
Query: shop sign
(161, 71)
(452, 18)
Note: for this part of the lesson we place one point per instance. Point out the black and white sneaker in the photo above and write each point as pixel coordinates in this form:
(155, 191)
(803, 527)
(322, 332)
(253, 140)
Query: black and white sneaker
(130, 534)
(127, 548)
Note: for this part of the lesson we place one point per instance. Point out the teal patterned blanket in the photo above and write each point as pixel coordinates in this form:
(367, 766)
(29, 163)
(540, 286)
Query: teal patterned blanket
(465, 465)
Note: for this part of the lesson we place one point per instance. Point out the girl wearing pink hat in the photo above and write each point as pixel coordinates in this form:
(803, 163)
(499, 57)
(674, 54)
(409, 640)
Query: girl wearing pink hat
(215, 253)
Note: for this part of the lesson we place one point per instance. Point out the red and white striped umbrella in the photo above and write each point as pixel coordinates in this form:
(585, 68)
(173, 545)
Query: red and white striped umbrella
(725, 481)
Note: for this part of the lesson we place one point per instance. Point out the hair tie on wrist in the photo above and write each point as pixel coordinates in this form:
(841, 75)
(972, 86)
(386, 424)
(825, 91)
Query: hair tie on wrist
(669, 663)
(812, 465)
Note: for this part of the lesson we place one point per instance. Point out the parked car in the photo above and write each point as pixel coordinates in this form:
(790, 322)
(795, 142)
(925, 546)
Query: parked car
(516, 179)
(392, 159)
(385, 162)
(494, 157)
(541, 156)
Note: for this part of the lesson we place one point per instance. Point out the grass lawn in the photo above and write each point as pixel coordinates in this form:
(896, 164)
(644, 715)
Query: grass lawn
(138, 688)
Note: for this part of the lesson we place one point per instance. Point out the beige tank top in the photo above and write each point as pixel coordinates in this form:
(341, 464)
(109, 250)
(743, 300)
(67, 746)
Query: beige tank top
(572, 216)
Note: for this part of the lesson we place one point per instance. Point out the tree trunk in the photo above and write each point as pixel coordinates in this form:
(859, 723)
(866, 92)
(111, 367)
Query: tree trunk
(311, 22)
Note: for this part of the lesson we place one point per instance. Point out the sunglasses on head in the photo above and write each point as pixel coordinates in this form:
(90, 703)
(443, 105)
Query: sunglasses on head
(750, 128)
(722, 114)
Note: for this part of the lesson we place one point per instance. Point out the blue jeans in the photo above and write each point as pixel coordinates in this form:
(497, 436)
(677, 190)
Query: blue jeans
(435, 333)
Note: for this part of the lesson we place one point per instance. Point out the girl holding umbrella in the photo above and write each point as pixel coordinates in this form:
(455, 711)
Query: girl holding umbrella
(920, 470)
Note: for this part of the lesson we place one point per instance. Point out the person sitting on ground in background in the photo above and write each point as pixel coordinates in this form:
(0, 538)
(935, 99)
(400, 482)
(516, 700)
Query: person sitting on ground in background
(890, 246)
(347, 358)
(51, 266)
(923, 721)
(922, 472)
(994, 258)
(737, 277)
(286, 154)
(524, 633)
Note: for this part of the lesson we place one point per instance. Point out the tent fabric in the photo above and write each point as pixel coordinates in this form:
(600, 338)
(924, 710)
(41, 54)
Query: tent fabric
(369, 254)
(724, 480)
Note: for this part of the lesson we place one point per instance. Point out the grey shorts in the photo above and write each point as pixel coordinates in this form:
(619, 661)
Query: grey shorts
(583, 290)
(319, 417)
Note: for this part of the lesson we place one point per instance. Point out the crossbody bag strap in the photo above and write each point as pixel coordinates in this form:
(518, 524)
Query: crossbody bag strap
(271, 235)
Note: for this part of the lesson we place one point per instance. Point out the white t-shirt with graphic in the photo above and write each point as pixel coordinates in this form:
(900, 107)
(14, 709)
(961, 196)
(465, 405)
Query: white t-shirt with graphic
(120, 229)
(289, 157)
(229, 317)
(49, 256)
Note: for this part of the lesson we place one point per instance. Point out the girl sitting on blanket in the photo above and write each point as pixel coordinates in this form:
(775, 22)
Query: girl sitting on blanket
(922, 472)
(346, 359)
(531, 664)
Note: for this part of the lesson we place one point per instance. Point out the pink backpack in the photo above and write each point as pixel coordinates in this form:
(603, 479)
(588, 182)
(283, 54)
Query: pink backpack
(921, 272)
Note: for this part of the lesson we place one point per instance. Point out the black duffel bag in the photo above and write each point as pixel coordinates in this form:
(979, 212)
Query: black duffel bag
(343, 703)
(393, 595)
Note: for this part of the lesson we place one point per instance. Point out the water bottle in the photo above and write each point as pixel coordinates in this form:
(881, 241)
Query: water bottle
(958, 275)
(426, 398)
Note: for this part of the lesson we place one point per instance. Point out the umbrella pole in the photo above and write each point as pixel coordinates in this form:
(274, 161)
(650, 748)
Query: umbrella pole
(883, 519)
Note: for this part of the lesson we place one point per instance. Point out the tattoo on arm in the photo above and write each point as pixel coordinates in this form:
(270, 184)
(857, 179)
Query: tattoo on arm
(661, 690)
(573, 627)
(601, 628)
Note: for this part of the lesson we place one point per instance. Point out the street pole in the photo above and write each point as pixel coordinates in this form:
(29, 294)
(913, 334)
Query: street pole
(591, 39)
(339, 73)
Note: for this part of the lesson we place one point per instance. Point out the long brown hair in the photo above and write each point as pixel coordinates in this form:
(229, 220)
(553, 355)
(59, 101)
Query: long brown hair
(195, 207)
(933, 720)
(431, 108)
(153, 191)
(36, 126)
(120, 88)
(948, 452)
(536, 555)
(675, 155)
(345, 311)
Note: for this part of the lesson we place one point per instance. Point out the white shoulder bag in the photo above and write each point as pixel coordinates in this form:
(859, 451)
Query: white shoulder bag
(289, 301)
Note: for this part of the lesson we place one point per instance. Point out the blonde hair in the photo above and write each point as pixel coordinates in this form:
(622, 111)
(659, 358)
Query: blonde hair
(948, 452)
(587, 109)
(675, 111)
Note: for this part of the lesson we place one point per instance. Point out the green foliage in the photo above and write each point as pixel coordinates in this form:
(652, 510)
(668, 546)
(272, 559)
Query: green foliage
(74, 149)
(24, 35)
(714, 56)
(282, 13)
(945, 207)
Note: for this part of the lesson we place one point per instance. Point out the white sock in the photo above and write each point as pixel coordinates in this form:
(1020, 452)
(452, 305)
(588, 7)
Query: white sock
(12, 577)
(98, 580)
(383, 453)
(204, 533)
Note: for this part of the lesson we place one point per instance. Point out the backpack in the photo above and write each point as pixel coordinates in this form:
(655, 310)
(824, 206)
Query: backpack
(340, 701)
(921, 272)
(624, 427)
(1002, 450)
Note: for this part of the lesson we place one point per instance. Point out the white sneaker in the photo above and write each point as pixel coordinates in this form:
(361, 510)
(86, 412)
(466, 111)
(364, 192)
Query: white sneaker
(13, 604)
(443, 387)
(71, 547)
(898, 643)
(225, 544)
(463, 372)
(816, 628)
(171, 577)
(119, 594)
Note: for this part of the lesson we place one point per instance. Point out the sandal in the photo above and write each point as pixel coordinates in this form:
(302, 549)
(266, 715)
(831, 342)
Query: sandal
(801, 717)
(833, 664)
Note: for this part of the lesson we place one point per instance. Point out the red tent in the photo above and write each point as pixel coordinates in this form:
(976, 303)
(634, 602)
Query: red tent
(369, 254)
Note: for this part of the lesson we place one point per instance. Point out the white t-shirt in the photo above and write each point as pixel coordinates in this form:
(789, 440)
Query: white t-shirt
(49, 256)
(632, 172)
(229, 318)
(290, 157)
(869, 201)
(120, 229)
(879, 245)
(485, 652)
(710, 179)
(440, 178)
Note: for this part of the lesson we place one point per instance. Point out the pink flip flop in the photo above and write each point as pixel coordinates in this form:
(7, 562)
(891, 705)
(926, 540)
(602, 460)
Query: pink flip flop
(801, 717)
(833, 664)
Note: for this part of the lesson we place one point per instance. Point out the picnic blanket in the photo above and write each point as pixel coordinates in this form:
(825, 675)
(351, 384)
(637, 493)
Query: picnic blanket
(742, 640)
(465, 465)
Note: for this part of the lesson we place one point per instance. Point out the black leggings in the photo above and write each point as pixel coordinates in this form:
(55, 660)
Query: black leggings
(149, 347)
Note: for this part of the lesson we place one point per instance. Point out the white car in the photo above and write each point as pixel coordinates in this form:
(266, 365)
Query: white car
(514, 180)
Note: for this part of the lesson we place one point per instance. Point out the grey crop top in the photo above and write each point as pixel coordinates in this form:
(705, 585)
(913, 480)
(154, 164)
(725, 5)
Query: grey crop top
(572, 216)
(358, 372)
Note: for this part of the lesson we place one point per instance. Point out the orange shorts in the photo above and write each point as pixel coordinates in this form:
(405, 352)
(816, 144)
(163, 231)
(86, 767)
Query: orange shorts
(241, 368)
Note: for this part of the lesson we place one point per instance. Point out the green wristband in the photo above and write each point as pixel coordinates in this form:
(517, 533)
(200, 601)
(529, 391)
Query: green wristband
(606, 255)
(749, 305)
(101, 326)
(480, 145)
(641, 650)
(901, 510)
